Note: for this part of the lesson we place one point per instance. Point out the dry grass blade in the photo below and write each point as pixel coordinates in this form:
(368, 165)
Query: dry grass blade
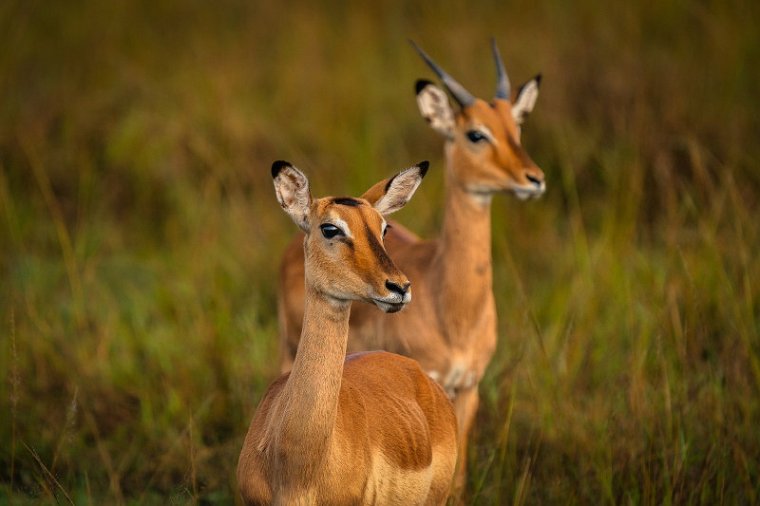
(48, 475)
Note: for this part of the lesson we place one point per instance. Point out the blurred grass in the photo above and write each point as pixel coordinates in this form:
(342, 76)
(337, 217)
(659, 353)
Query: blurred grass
(139, 236)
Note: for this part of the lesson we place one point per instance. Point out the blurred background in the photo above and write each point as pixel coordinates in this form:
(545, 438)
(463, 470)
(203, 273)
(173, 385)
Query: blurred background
(140, 237)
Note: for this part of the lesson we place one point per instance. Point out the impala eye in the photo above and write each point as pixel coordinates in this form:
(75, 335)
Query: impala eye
(329, 231)
(476, 136)
(385, 230)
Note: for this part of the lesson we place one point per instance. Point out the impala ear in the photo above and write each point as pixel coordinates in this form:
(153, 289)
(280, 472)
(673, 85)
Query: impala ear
(390, 195)
(525, 99)
(435, 108)
(292, 189)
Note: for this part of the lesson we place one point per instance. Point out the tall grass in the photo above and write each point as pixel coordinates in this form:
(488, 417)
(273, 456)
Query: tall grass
(139, 236)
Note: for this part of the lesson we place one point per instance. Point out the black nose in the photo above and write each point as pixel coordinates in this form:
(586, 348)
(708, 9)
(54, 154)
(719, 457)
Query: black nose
(396, 288)
(533, 179)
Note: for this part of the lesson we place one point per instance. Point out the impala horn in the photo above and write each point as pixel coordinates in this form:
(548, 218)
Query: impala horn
(503, 88)
(460, 94)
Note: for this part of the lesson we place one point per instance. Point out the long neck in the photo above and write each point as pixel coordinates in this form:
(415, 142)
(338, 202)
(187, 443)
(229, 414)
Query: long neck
(310, 397)
(463, 266)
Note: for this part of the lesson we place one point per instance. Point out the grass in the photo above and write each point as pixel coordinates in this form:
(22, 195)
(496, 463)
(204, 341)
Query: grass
(139, 236)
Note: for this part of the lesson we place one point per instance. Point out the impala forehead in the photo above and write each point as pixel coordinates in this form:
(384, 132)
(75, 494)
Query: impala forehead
(494, 119)
(503, 109)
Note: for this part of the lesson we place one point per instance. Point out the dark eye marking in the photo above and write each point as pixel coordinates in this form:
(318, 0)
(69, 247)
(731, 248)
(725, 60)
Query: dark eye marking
(329, 231)
(346, 201)
(378, 249)
(476, 136)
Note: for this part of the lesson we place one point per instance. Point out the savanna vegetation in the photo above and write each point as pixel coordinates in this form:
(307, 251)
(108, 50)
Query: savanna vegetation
(140, 236)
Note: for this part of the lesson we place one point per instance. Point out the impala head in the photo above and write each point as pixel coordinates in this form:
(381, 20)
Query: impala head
(483, 138)
(344, 253)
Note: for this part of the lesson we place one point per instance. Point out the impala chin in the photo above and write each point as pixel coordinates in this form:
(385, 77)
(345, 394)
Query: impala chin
(525, 192)
(392, 304)
(389, 307)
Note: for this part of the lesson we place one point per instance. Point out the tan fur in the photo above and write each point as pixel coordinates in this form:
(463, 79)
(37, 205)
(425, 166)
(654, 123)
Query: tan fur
(451, 325)
(370, 428)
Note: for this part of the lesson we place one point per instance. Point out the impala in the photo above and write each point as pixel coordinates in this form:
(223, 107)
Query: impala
(451, 327)
(370, 428)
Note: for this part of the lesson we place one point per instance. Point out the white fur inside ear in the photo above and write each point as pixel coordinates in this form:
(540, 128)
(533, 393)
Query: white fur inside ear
(435, 108)
(525, 101)
(399, 190)
(292, 189)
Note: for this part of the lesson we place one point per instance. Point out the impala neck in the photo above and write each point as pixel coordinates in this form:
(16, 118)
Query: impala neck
(312, 391)
(463, 267)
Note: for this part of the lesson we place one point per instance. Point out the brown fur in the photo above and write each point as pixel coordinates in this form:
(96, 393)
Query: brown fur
(451, 325)
(370, 428)
(403, 424)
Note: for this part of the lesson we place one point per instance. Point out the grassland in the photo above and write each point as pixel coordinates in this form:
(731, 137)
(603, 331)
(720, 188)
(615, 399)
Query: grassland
(139, 236)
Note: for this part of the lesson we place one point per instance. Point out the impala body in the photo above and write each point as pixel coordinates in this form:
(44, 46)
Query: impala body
(370, 428)
(451, 327)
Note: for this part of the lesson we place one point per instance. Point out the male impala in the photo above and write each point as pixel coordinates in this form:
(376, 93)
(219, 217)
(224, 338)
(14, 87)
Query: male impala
(451, 327)
(373, 429)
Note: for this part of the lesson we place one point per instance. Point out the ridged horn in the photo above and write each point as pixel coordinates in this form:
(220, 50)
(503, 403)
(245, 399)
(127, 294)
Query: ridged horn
(503, 88)
(458, 91)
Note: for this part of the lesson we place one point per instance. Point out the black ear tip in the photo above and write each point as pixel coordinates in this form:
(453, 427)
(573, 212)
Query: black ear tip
(420, 85)
(538, 79)
(278, 166)
(423, 165)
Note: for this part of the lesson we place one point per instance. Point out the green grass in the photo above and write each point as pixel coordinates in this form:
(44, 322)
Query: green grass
(139, 236)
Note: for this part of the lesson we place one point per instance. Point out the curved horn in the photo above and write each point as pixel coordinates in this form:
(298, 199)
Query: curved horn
(460, 94)
(502, 80)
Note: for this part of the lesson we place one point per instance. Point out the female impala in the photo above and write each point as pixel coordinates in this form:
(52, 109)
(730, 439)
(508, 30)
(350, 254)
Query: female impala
(451, 327)
(373, 429)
